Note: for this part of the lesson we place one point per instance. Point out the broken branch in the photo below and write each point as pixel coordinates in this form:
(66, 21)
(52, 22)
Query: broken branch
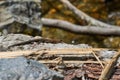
(84, 16)
(81, 29)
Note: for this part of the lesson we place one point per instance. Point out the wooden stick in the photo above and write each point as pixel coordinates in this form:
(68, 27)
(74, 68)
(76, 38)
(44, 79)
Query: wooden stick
(107, 72)
(57, 51)
(78, 51)
(74, 55)
(67, 62)
(98, 59)
(14, 54)
(83, 49)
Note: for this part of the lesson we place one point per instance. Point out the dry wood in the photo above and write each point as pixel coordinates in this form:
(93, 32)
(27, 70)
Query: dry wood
(98, 59)
(83, 49)
(68, 62)
(107, 71)
(14, 54)
(74, 55)
(79, 51)
(21, 53)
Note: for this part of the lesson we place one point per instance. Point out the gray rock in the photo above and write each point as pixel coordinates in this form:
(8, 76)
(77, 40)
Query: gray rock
(21, 68)
(107, 54)
(10, 39)
(23, 11)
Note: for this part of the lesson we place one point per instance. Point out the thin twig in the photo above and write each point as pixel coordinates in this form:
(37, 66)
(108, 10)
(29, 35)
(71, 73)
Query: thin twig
(68, 62)
(98, 59)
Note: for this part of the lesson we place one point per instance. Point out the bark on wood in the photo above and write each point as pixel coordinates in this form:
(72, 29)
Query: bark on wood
(81, 29)
(84, 16)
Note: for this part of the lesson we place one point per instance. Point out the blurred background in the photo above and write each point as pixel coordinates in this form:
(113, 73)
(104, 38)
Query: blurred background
(107, 11)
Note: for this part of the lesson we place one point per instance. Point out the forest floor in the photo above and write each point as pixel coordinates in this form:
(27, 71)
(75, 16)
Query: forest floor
(75, 62)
